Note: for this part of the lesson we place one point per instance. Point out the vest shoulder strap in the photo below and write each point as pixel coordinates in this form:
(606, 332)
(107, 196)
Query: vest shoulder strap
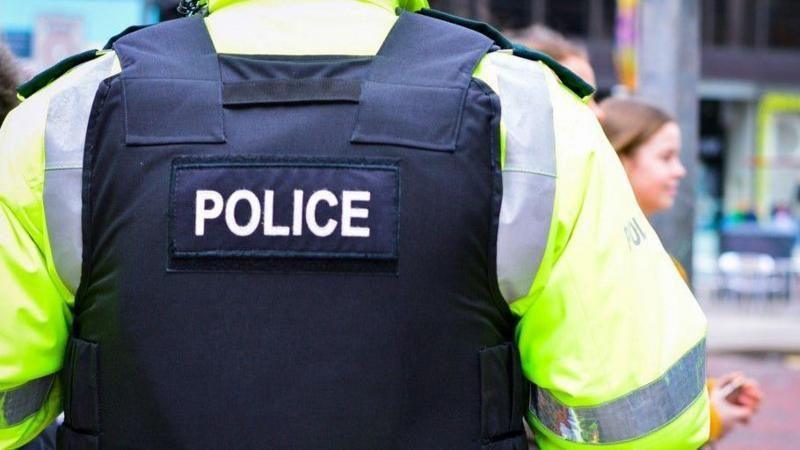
(173, 59)
(415, 93)
(569, 78)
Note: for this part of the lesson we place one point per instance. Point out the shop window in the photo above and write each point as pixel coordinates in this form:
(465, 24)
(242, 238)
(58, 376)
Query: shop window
(784, 24)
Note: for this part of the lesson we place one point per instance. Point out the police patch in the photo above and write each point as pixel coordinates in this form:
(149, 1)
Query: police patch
(284, 208)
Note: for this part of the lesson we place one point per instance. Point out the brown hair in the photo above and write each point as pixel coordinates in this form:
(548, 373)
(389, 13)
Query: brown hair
(547, 40)
(629, 123)
(8, 83)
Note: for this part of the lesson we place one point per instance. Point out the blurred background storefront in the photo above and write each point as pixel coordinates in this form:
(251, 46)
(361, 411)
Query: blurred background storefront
(42, 32)
(748, 94)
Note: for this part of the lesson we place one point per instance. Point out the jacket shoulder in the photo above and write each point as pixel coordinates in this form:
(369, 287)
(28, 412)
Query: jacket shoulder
(575, 83)
(55, 72)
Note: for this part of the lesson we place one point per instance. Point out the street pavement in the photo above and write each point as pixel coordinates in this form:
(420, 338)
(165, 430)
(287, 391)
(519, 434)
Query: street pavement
(777, 424)
(748, 331)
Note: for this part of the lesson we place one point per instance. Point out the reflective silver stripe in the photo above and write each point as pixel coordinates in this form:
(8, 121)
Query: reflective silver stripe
(528, 174)
(65, 135)
(19, 403)
(635, 415)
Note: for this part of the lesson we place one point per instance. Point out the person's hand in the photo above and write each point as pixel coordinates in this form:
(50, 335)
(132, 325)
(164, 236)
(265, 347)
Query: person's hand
(749, 395)
(735, 398)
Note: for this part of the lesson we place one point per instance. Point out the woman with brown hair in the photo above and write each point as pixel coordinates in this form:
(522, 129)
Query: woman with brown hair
(648, 143)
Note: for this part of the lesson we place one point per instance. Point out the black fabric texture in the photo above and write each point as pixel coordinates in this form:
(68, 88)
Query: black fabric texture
(152, 73)
(513, 442)
(230, 353)
(68, 439)
(501, 374)
(53, 73)
(432, 84)
(397, 123)
(291, 91)
(81, 386)
(190, 121)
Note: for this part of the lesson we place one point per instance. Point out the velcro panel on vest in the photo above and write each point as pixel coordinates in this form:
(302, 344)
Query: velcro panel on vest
(502, 397)
(414, 116)
(415, 93)
(81, 386)
(166, 100)
(283, 92)
(154, 117)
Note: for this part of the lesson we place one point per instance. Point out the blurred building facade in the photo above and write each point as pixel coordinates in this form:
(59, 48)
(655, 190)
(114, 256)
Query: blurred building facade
(749, 94)
(42, 32)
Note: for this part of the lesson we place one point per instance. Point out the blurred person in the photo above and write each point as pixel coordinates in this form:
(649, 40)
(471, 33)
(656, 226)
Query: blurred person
(782, 218)
(568, 53)
(9, 79)
(648, 143)
(224, 237)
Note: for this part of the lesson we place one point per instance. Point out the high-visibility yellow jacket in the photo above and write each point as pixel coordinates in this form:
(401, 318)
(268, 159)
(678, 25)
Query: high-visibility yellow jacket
(609, 334)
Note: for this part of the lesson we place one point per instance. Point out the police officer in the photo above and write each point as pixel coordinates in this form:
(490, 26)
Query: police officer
(331, 224)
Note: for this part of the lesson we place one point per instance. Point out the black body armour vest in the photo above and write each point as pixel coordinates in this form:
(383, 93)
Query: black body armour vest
(293, 252)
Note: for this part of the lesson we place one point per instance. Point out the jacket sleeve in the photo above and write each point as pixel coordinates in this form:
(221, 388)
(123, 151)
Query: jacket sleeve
(610, 336)
(34, 312)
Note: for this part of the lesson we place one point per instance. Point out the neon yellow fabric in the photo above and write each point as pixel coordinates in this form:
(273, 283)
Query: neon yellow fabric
(408, 5)
(604, 316)
(242, 28)
(600, 320)
(33, 302)
(627, 294)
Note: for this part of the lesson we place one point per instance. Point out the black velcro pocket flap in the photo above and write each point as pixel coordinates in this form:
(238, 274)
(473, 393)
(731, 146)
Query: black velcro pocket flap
(81, 383)
(413, 116)
(168, 111)
(304, 91)
(503, 398)
(284, 208)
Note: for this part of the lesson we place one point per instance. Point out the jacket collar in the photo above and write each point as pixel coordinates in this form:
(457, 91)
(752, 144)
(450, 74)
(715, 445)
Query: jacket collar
(409, 5)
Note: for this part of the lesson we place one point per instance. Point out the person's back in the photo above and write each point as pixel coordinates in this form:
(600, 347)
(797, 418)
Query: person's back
(296, 250)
